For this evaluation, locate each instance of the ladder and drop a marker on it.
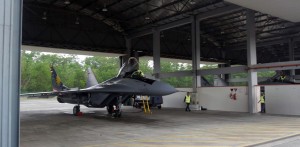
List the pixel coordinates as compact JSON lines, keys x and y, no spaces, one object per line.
{"x":146,"y":104}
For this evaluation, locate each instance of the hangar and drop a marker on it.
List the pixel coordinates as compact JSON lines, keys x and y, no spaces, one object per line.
{"x":241,"y":36}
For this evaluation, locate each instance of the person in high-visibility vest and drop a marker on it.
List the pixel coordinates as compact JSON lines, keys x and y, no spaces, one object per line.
{"x":262,"y":103}
{"x":282,"y":77}
{"x":137,"y":74}
{"x":187,"y":100}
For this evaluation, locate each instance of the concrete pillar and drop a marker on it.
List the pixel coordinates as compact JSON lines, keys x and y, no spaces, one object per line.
{"x":195,"y":34}
{"x":156,"y":53}
{"x":251,"y":60}
{"x":291,"y":55}
{"x":10,"y":48}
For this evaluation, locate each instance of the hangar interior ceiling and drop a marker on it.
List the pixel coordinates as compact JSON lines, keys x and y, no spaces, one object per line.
{"x":102,"y":25}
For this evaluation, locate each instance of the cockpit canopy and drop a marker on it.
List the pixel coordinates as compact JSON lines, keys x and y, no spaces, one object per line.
{"x":128,"y":67}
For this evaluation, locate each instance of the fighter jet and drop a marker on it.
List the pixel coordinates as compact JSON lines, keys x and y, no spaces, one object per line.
{"x":109,"y":93}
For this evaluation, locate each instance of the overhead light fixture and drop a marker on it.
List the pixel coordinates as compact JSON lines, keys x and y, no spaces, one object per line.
{"x":192,"y":2}
{"x":77,"y":21}
{"x":189,"y":38}
{"x":44,"y":16}
{"x":147,"y":17}
{"x":104,"y":8}
{"x":67,"y":2}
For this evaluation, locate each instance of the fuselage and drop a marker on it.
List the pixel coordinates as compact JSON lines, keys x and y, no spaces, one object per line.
{"x":122,"y":88}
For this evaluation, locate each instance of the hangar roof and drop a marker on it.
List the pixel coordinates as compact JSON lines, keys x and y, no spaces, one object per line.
{"x":86,"y":25}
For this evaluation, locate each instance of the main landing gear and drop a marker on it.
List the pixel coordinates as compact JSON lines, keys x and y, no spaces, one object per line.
{"x":76,"y":110}
{"x":114,"y":110}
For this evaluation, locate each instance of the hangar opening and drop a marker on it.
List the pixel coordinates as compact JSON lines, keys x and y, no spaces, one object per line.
{"x":252,"y":49}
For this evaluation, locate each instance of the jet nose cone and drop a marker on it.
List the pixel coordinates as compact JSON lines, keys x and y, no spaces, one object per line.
{"x":163,"y":88}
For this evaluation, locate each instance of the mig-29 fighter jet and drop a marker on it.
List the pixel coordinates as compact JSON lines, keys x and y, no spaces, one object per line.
{"x":109,"y":93}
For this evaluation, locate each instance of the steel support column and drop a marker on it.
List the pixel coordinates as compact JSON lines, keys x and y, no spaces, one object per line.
{"x":156,"y":53}
{"x":291,"y":55}
{"x":251,"y":59}
{"x":10,"y":48}
{"x":222,"y":76}
{"x":195,"y":35}
{"x":227,"y":76}
{"x":124,"y":58}
{"x":197,"y":51}
{"x":128,"y":46}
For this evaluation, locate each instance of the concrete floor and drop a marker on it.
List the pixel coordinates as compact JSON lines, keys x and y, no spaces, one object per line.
{"x":46,"y":123}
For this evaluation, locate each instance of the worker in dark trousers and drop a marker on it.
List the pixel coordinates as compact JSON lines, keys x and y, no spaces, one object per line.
{"x":187,"y":100}
{"x":262,"y":103}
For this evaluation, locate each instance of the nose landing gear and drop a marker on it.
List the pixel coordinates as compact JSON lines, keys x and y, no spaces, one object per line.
{"x":116,"y":112}
{"x":76,"y":111}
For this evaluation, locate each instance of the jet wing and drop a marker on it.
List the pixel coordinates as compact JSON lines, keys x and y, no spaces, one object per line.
{"x":39,"y":94}
{"x":111,"y":88}
{"x":49,"y":93}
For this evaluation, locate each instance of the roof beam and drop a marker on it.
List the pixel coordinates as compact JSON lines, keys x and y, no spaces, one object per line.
{"x":264,"y":43}
{"x":175,"y":24}
{"x":156,"y":9}
{"x":124,"y":10}
{"x":86,"y":6}
{"x":162,"y":27}
{"x":108,"y":6}
{"x":213,"y":13}
{"x":276,"y":66}
{"x":217,"y":12}
{"x":216,"y":71}
{"x":224,"y":70}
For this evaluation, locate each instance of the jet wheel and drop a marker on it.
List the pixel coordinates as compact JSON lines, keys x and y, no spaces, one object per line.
{"x":117,"y":114}
{"x":76,"y":110}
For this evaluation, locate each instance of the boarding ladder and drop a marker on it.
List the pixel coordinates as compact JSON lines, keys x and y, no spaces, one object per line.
{"x":146,"y":107}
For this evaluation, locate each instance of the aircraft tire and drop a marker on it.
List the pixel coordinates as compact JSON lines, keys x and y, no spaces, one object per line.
{"x":76,"y":110}
{"x":119,"y":114}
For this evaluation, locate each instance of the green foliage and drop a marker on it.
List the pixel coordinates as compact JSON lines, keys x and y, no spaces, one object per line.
{"x":145,"y":66}
{"x":104,"y":68}
{"x":36,"y":75}
{"x":179,"y":82}
{"x":209,"y":78}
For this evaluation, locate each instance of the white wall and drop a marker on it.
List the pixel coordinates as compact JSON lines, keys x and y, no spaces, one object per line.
{"x":217,"y":98}
{"x":175,"y":100}
{"x":212,"y":98}
{"x":283,"y":99}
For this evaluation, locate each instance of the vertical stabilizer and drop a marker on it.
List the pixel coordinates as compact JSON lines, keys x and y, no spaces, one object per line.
{"x":91,"y":79}
{"x":57,"y":84}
